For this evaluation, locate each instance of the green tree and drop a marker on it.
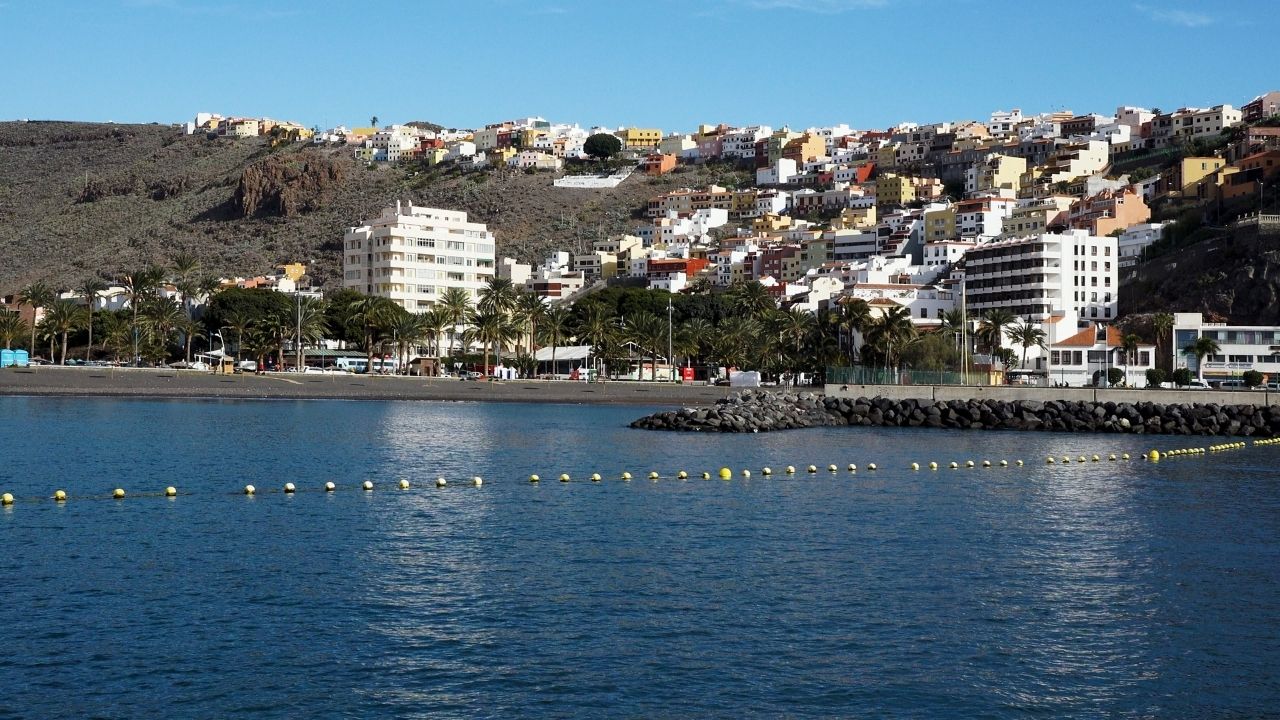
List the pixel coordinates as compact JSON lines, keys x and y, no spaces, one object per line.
{"x":750,"y":298}
{"x":1202,"y":347}
{"x":1252,"y":378}
{"x":1026,"y":335}
{"x":456,"y":306}
{"x":1129,"y":343}
{"x":1115,"y":376}
{"x":1155,"y":377}
{"x":368,"y":317}
{"x":89,"y":288}
{"x":12,"y":327}
{"x":597,"y":328}
{"x":528,"y":311}
{"x":648,"y":333}
{"x":63,"y":317}
{"x":139,"y":285}
{"x":602,"y":146}
{"x":1182,"y":377}
{"x":1162,"y":324}
{"x":990,"y":333}
{"x":36,"y":295}
{"x":555,"y":324}
{"x":433,"y":322}
{"x":889,"y":334}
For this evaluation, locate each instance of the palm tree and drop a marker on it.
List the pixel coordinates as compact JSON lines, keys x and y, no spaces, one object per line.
{"x":990,"y":334}
{"x":407,"y":330}
{"x":528,"y":311}
{"x":185,"y":264}
{"x":115,"y":333}
{"x":89,"y":288}
{"x":455,"y":304}
{"x":12,"y":327}
{"x":1163,"y":326}
{"x":597,"y":328}
{"x":735,"y":339}
{"x":36,"y":295}
{"x":140,"y":284}
{"x":855,"y":315}
{"x":367,"y":316}
{"x":432,"y":323}
{"x":491,"y":330}
{"x":890,"y":334}
{"x":1026,"y":335}
{"x":310,"y":322}
{"x":750,"y":298}
{"x":647,"y":331}
{"x":698,"y":333}
{"x":1200,"y":348}
{"x":555,"y":323}
{"x":162,"y":318}
{"x":240,"y":322}
{"x":794,"y":328}
{"x":1130,"y":344}
{"x":63,"y":317}
{"x":497,"y":296}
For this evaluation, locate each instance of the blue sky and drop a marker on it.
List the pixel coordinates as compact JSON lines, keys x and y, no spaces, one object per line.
{"x":663,"y":63}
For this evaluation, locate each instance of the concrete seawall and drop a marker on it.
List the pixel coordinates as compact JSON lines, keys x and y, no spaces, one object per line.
{"x":947,"y":393}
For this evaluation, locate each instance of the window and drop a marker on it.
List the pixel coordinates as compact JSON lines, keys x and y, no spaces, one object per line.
{"x":1144,"y":357}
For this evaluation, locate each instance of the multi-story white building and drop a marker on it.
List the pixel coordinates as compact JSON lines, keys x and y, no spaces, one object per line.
{"x":740,"y":144}
{"x":1135,"y":239}
{"x":1074,"y":274}
{"x":1240,"y":348}
{"x":412,"y":254}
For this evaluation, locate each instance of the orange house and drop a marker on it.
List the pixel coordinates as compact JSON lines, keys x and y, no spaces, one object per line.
{"x":657,"y":164}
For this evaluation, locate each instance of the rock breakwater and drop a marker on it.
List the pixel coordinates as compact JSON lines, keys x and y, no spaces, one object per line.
{"x":762,"y":411}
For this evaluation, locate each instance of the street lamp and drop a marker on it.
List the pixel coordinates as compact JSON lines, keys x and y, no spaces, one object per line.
{"x":670,"y":359}
{"x":298,"y":336}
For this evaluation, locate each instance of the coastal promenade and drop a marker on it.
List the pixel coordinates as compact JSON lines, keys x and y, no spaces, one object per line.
{"x":947,"y":393}
{"x":119,"y":382}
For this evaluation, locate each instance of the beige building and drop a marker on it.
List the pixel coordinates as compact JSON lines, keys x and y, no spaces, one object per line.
{"x":412,"y":255}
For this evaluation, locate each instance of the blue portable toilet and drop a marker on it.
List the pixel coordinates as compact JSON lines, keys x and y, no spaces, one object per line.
{"x":6,"y":358}
{"x":21,"y":358}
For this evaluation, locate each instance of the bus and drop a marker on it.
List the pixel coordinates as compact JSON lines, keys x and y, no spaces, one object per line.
{"x":381,"y":366}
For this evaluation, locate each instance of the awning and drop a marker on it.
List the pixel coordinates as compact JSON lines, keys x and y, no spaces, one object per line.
{"x":570,"y":352}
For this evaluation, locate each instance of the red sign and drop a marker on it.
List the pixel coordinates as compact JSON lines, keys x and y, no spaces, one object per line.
{"x":686,"y":374}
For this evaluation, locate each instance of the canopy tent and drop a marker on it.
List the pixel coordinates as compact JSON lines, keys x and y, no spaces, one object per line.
{"x":566,"y":359}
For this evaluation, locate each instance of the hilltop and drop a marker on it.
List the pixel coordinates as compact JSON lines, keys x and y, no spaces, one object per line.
{"x":81,"y":198}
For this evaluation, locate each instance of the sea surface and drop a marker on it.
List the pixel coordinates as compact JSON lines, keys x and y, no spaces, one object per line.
{"x":1096,"y":589}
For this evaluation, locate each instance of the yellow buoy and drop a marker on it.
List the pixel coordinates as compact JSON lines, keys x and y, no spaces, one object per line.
{"x":118,"y":493}
{"x":6,"y":499}
{"x":1111,"y":457}
{"x":1124,"y":456}
{"x":441,"y":482}
{"x":1096,"y":458}
{"x":653,"y":475}
{"x":791,"y":470}
{"x":404,"y":484}
{"x":933,"y":466}
{"x":682,"y":475}
{"x":1153,"y":455}
{"x":595,"y":477}
{"x":915,"y":466}
{"x":368,"y":485}
{"x":627,"y":475}
{"x":249,"y":489}
{"x":534,"y":478}
{"x":477,"y":481}
{"x":60,"y":495}
{"x":330,"y":487}
{"x":725,"y":473}
{"x":1080,"y":459}
{"x":1066,"y":459}
{"x":1049,"y":460}
{"x":564,"y":477}
{"x":288,"y":487}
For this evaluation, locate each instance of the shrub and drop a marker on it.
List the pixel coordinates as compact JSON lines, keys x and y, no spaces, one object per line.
{"x":1252,"y":378}
{"x":1115,"y":376}
{"x":1182,"y":377}
{"x":1155,"y":377}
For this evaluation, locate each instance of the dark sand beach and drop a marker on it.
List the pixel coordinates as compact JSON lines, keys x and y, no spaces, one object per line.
{"x":118,"y":382}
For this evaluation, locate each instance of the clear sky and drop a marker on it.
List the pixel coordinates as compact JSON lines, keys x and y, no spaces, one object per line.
{"x":654,"y":63}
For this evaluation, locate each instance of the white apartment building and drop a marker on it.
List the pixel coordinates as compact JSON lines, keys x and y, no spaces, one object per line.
{"x":1135,"y":239}
{"x":412,"y":254}
{"x":741,"y":143}
{"x":1003,"y":124}
{"x":941,"y":254}
{"x":1073,"y":274}
{"x":1241,"y":348}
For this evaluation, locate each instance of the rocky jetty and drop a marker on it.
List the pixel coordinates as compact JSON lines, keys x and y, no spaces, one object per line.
{"x":762,"y":411}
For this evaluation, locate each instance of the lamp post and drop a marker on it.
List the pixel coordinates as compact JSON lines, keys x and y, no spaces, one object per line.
{"x":297,"y":296}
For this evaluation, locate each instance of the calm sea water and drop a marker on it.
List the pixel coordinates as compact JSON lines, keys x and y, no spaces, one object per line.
{"x":1097,"y":590}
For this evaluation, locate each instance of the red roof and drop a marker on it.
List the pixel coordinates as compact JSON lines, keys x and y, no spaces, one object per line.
{"x":1089,"y":338}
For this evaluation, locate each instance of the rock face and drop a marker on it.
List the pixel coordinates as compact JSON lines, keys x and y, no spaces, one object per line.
{"x":287,"y":185}
{"x":762,"y":411}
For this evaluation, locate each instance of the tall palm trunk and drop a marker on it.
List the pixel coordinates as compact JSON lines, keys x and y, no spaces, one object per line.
{"x":63,"y":361}
{"x":88,"y":348}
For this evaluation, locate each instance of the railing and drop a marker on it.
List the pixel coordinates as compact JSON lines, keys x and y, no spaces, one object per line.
{"x":862,"y":375}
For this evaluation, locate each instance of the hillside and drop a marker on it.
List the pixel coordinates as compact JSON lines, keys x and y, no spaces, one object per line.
{"x":82,"y":198}
{"x":1232,"y":275}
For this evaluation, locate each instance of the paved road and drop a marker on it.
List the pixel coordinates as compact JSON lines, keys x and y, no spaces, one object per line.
{"x":174,"y":383}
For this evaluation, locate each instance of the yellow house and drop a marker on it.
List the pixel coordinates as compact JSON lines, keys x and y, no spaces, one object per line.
{"x":1192,"y":177}
{"x":770,"y":222}
{"x":855,"y":219}
{"x":1000,"y":172}
{"x":435,"y":156}
{"x":777,"y":142}
{"x":893,"y":189}
{"x":940,"y":224}
{"x":887,"y":156}
{"x":634,"y":137}
{"x":500,"y":156}
{"x":293,"y":271}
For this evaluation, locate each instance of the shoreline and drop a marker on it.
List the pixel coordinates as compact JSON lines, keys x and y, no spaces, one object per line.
{"x":52,"y":381}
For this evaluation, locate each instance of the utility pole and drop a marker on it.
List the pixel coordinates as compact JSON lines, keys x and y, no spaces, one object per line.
{"x":670,"y":359}
{"x":964,"y":330}
{"x":297,"y":296}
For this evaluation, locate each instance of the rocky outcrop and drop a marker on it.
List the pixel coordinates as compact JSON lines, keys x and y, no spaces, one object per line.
{"x":762,"y":411}
{"x":286,"y":185}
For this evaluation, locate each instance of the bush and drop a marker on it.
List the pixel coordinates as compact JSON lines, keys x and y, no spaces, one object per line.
{"x":1182,"y":377}
{"x":1252,"y":378}
{"x":1155,"y":377}
{"x":1115,"y":376}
